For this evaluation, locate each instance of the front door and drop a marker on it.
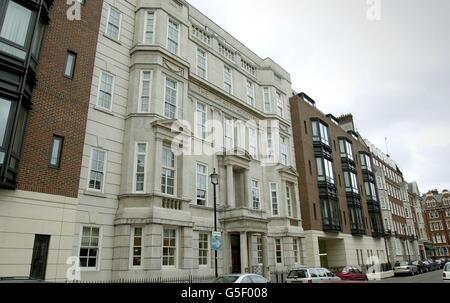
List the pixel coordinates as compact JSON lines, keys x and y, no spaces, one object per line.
{"x":236,"y":253}
{"x":39,"y":258}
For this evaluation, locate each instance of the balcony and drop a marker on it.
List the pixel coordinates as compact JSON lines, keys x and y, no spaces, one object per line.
{"x":358,"y":231}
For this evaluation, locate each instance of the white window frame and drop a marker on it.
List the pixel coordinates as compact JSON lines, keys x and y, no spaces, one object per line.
{"x":289,"y":200}
{"x":259,"y":250}
{"x":136,"y":154}
{"x":284,"y":151}
{"x":280,"y":104}
{"x":174,"y":169}
{"x":253,"y":142}
{"x":256,"y":190}
{"x":141,"y":86}
{"x":271,"y":199}
{"x":171,"y":20}
{"x":276,"y":250}
{"x":208,"y":250}
{"x":132,"y":236}
{"x":167,"y":78}
{"x":120,"y":23}
{"x":250,"y":95}
{"x":176,"y":249}
{"x":99,"y":249}
{"x":201,"y":51}
{"x":229,"y":122}
{"x":112,"y":91}
{"x":296,"y":249}
{"x":197,"y":173}
{"x":225,"y":68}
{"x":267,"y":102}
{"x":105,"y":161}
{"x":203,"y":134}
{"x":144,"y":38}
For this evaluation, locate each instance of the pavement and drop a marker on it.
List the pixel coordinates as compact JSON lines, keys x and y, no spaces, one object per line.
{"x":430,"y":277}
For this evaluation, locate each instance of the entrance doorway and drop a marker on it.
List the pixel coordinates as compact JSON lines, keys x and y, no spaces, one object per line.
{"x":39,"y":258}
{"x":235,"y":240}
{"x":323,"y":253}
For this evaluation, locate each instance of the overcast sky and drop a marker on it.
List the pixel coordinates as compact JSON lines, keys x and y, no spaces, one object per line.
{"x":393,"y":74}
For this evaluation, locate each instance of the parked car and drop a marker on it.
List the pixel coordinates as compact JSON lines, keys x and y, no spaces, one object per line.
{"x":433,"y":265}
{"x":352,"y":273}
{"x":241,"y":278}
{"x":404,"y":267}
{"x":446,"y":272}
{"x":421,"y":267}
{"x":311,"y":275}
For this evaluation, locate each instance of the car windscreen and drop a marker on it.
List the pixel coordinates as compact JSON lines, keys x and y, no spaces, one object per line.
{"x":226,"y":279}
{"x":300,"y":273}
{"x":447,"y":267}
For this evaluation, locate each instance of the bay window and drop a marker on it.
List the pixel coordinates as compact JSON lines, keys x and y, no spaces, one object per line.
{"x":15,"y":31}
{"x":280,"y":105}
{"x":202,"y":177}
{"x":256,"y":195}
{"x":351,"y":183}
{"x":5,"y":112}
{"x":173,"y":32}
{"x":330,"y":214}
{"x":366,"y":161}
{"x":253,"y":142}
{"x":325,"y":171}
{"x":170,"y":99}
{"x":140,"y":167}
{"x":370,"y":190}
{"x":136,"y":247}
{"x":229,"y":134}
{"x":149,"y":27}
{"x":169,"y":247}
{"x":228,"y":79}
{"x":145,"y":86}
{"x":346,"y":149}
{"x":250,"y":93}
{"x":320,"y":132}
{"x":267,"y":100}
{"x":284,"y":150}
{"x":200,"y":117}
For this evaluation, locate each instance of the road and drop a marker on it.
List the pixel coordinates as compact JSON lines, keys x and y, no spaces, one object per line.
{"x":431,"y":277}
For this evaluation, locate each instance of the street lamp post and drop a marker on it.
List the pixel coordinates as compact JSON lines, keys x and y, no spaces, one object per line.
{"x":215,"y":181}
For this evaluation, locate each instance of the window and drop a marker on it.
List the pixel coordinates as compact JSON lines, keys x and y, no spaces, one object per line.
{"x":256,"y":195}
{"x":267,"y":100}
{"x":228,"y":79}
{"x":149,"y":28}
{"x":296,"y":249}
{"x":346,"y":149}
{"x":16,"y":24}
{"x":89,"y":248}
{"x":140,"y":167}
{"x":325,"y":171}
{"x":169,"y":247}
{"x":203,"y":249}
{"x":113,"y":24}
{"x":136,"y":247}
{"x":229,"y":134}
{"x":168,"y":172}
{"x":36,"y":43}
{"x":366,"y":161}
{"x":250,"y":93}
{"x":370,"y":190}
{"x":57,"y":145}
{"x":320,"y":132}
{"x":200,"y":118}
{"x":274,"y":198}
{"x":70,"y":64}
{"x":280,"y":105}
{"x":201,"y":63}
{"x":288,"y":200}
{"x":97,"y":170}
{"x":330,"y":214}
{"x":259,"y":249}
{"x":270,"y":151}
{"x":5,"y":108}
{"x":278,"y":251}
{"x":172,"y":37}
{"x":202,"y":177}
{"x":144,"y":98}
{"x":105,"y":94}
{"x":284,"y":150}
{"x":170,"y":105}
{"x":253,"y":142}
{"x":351,"y":183}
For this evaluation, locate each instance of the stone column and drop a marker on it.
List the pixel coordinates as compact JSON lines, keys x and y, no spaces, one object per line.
{"x":230,"y":187}
{"x":244,"y":252}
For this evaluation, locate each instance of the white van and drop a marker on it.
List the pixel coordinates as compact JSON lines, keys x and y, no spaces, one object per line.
{"x":311,"y":275}
{"x":446,"y":272}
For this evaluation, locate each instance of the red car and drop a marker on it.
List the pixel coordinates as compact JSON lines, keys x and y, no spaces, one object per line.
{"x":352,"y":273}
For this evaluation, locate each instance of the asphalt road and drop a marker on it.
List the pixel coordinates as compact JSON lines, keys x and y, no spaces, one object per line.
{"x":431,"y":277}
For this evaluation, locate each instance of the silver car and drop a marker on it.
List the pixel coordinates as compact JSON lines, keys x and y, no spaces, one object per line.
{"x":311,"y":275}
{"x":405,"y":268}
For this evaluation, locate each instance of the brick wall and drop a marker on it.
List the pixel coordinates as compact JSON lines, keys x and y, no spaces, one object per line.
{"x":60,"y":105}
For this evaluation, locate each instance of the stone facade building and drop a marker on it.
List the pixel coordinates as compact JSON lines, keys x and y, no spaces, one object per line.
{"x":340,"y":205}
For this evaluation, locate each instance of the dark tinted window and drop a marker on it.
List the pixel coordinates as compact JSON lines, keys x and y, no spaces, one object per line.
{"x":297,"y":274}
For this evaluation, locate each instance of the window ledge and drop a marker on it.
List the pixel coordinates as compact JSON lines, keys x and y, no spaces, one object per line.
{"x":112,"y":39}
{"x":94,"y":194}
{"x":103,"y":110}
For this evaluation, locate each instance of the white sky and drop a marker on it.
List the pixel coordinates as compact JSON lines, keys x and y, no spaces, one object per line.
{"x":393,"y":75}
